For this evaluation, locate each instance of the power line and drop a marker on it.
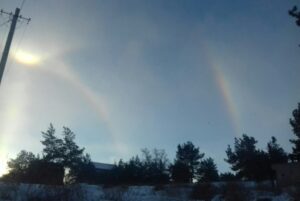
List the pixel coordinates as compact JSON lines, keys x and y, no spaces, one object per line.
{"x":22,"y":4}
{"x":11,"y":61}
{"x":4,"y":23}
{"x":5,"y":53}
{"x":4,"y":34}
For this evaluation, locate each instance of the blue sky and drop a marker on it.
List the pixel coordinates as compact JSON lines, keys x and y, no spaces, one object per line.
{"x":125,"y":75}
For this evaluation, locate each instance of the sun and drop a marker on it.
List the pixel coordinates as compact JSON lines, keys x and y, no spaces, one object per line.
{"x":26,"y":58}
{"x":3,"y":167}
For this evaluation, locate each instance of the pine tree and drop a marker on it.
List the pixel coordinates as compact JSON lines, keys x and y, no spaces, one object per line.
{"x":246,"y":160}
{"x":227,"y":176}
{"x":21,"y":163}
{"x":65,"y":153}
{"x":296,"y":14}
{"x":154,"y":166}
{"x":72,"y":154}
{"x":190,"y":156}
{"x":73,"y":158}
{"x":180,"y":172}
{"x":275,"y":152}
{"x":208,"y":171}
{"x":295,"y":123}
{"x":53,"y":146}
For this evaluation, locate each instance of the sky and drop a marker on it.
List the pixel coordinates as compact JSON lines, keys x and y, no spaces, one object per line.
{"x":125,"y":75}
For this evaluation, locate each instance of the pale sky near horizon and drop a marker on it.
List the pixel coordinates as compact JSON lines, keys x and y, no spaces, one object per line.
{"x":126,"y":75}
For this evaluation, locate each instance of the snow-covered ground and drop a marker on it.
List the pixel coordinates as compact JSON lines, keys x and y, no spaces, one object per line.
{"x":84,"y":192}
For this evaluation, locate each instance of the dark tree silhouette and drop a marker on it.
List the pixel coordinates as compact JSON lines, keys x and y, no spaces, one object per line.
{"x":150,"y":168}
{"x":155,"y":166}
{"x":275,"y":152}
{"x":18,"y":167}
{"x":295,"y":123}
{"x":53,"y":146}
{"x":208,"y":171}
{"x":180,"y":172}
{"x":276,"y":155}
{"x":85,"y":171}
{"x":58,"y":155}
{"x":246,"y":160}
{"x":72,"y":154}
{"x":133,"y":171}
{"x":28,"y":168}
{"x":227,"y":176}
{"x":73,"y":158}
{"x":41,"y":171}
{"x":296,"y":14}
{"x":190,"y":156}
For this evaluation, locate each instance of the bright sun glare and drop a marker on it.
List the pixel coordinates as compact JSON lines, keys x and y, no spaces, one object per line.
{"x":26,"y":58}
{"x":3,"y":168}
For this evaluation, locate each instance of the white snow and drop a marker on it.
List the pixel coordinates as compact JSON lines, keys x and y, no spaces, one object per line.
{"x":84,"y":192}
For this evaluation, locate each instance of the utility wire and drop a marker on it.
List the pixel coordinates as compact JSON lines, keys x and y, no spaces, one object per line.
{"x":3,"y":40}
{"x":10,"y":60}
{"x":4,"y":33}
{"x":16,"y":18}
{"x":21,"y":39}
{"x":4,"y":23}
{"x":20,"y":24}
{"x":22,"y":4}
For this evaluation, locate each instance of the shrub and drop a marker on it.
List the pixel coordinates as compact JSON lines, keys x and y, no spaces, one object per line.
{"x":7,"y":191}
{"x":115,"y":193}
{"x":294,"y":192}
{"x":159,"y":187}
{"x":264,"y":187}
{"x":203,"y":191}
{"x":264,"y":199}
{"x":233,"y":191}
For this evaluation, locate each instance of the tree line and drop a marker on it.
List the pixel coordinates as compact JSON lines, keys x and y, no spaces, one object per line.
{"x":63,"y":161}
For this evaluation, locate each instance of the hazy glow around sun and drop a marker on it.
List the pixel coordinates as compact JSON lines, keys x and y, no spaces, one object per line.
{"x":27,"y":58}
{"x":3,"y":166}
